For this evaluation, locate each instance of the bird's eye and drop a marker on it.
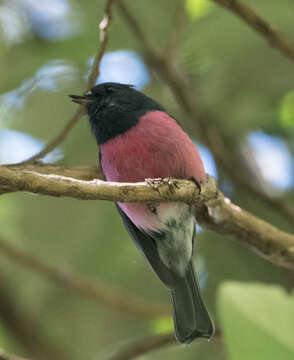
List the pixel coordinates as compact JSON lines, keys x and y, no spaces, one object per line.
{"x":88,"y":93}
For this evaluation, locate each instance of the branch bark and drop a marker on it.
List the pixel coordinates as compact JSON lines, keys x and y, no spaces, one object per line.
{"x":213,"y":210}
{"x":261,"y":26}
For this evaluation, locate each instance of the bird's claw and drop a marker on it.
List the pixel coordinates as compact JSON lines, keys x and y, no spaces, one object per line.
{"x":197,"y":184}
{"x":157,"y":182}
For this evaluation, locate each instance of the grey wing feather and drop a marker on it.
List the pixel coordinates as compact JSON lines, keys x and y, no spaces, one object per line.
{"x":147,"y":246}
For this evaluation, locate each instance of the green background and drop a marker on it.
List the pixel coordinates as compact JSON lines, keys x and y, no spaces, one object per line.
{"x":244,"y":85}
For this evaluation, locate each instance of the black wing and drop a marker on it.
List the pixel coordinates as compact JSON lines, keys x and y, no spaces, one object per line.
{"x":147,"y":245}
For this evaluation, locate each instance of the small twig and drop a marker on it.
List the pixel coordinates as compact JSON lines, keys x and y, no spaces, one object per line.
{"x":214,"y":211}
{"x":103,"y":293}
{"x":260,"y":25}
{"x":144,"y":346}
{"x":103,"y":31}
{"x":103,"y":27}
{"x":177,"y":28}
{"x":58,"y":139}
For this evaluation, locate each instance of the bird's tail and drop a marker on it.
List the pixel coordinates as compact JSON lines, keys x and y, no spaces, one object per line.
{"x":191,"y":317}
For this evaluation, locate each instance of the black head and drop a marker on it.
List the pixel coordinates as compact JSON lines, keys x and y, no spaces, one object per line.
{"x":114,"y":108}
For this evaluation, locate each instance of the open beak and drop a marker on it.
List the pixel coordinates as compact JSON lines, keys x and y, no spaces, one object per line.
{"x":81,"y":99}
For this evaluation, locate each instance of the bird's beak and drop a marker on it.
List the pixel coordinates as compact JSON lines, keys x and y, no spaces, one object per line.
{"x":82,"y":99}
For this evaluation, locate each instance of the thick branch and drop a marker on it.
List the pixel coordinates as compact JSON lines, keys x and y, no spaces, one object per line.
{"x":260,"y":25}
{"x":213,"y":210}
{"x":14,"y":178}
{"x":78,"y":172}
{"x":94,"y":73}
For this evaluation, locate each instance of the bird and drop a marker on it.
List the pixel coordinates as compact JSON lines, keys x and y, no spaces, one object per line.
{"x":139,"y":140}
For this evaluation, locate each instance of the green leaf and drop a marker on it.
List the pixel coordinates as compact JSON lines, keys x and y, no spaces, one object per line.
{"x":162,"y":325}
{"x":287,"y":110}
{"x":198,"y":8}
{"x":257,"y":321}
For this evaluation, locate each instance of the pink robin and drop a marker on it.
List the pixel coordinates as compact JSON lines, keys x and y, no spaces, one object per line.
{"x":139,"y":140}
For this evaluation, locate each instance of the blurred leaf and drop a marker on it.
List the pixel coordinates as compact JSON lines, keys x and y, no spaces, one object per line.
{"x":198,"y":8}
{"x":162,"y":325}
{"x":287,"y":110}
{"x":257,"y":321}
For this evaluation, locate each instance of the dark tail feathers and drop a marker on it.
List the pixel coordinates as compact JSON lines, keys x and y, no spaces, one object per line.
{"x":190,"y":314}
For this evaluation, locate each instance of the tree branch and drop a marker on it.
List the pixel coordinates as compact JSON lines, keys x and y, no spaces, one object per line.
{"x":148,"y":344}
{"x":59,"y":138}
{"x":103,"y":31}
{"x":257,"y":23}
{"x":179,"y":19}
{"x":103,"y":28}
{"x":105,"y":294}
{"x":213,"y":210}
{"x":144,"y":346}
{"x":14,"y":178}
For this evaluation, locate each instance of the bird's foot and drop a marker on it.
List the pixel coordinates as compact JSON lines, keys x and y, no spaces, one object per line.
{"x":197,"y":184}
{"x":156,"y":183}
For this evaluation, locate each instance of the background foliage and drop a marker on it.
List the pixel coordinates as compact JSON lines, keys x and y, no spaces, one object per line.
{"x":244,"y":86}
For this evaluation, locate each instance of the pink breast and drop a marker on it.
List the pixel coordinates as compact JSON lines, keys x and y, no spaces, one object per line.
{"x":156,"y":147}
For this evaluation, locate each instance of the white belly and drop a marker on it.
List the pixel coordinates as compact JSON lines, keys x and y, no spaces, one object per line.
{"x":176,"y":243}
